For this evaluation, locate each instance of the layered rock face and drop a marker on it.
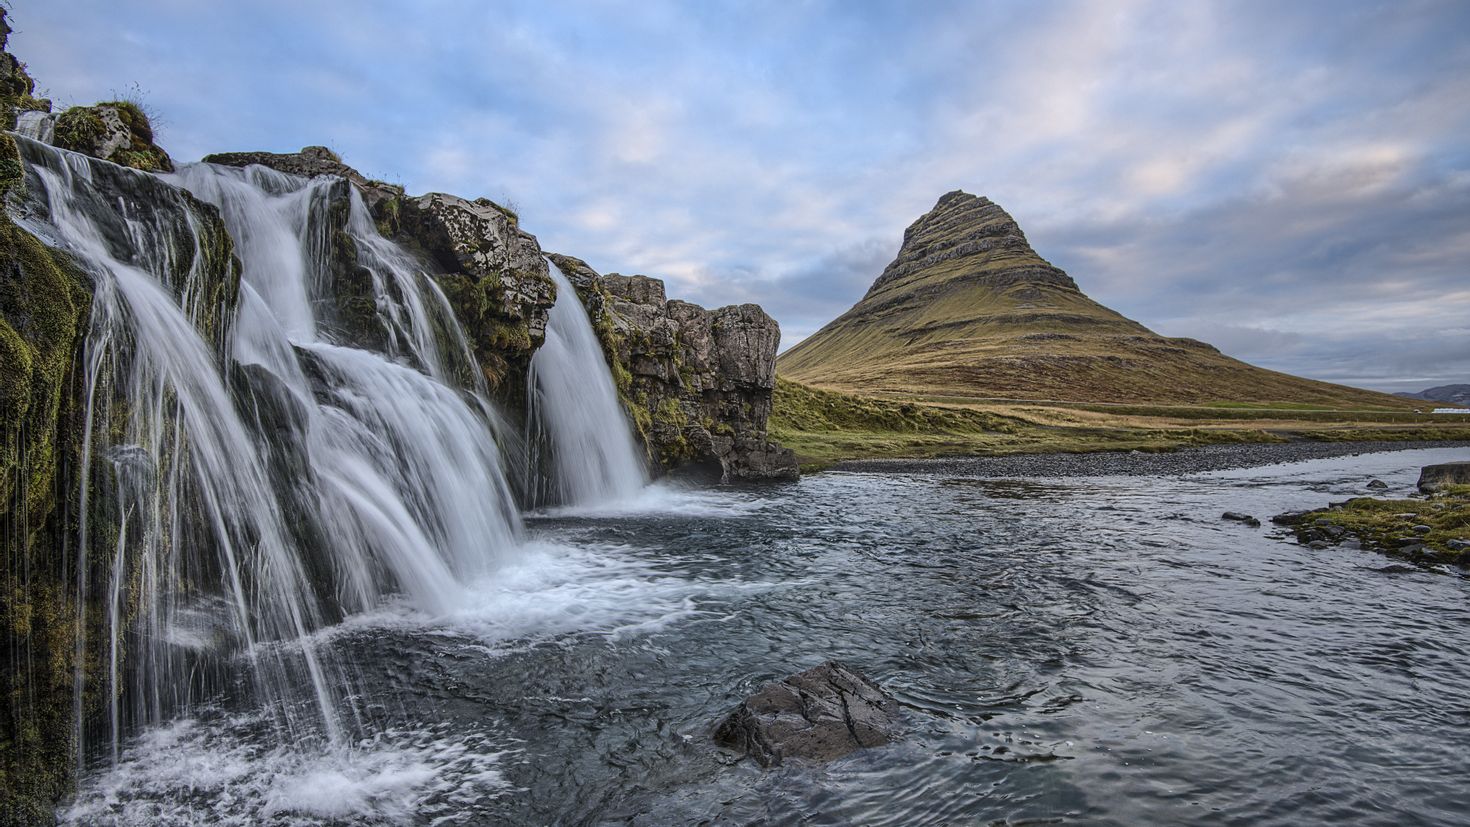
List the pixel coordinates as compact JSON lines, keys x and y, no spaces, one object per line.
{"x":698,"y":382}
{"x":968,"y":309}
{"x":974,"y":239}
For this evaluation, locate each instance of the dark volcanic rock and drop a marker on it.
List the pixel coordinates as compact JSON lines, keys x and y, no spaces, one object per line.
{"x":823,"y":713}
{"x":1377,"y":484}
{"x":1435,"y":477}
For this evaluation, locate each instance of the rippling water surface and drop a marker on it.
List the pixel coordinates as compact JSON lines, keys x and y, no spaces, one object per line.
{"x":1098,"y":650}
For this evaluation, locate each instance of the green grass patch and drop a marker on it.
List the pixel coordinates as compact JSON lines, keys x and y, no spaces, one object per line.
{"x":1384,"y":525}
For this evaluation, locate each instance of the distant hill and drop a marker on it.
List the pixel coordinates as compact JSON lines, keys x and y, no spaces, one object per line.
{"x":968,"y":309}
{"x":1453,"y":394}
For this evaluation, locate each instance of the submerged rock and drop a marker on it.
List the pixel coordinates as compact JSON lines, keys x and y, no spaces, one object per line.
{"x":1377,"y":484}
{"x":823,"y":713}
{"x":1238,"y":517}
{"x":1437,"y":477}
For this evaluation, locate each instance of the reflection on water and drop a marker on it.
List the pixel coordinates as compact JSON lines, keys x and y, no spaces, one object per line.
{"x":1088,"y":650}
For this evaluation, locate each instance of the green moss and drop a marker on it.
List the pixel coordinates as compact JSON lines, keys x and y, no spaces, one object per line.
{"x":12,"y":174}
{"x":1386,"y":525}
{"x":500,"y":208}
{"x":82,"y":129}
{"x":388,"y":215}
{"x":78,"y":129}
{"x":43,"y":307}
{"x":502,"y":345}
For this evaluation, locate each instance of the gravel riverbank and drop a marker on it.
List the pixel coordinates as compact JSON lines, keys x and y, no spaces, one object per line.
{"x":1135,"y":463}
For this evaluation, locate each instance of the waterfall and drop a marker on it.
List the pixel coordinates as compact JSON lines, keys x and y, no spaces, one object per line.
{"x":38,"y":126}
{"x":257,"y":469}
{"x":574,"y":404}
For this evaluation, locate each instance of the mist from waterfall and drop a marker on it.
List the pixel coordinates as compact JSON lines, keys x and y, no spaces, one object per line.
{"x":249,"y":489}
{"x":575,"y":413}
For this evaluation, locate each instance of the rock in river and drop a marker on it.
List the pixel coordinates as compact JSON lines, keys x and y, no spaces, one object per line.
{"x":1435,"y":477}
{"x":820,"y":714}
{"x":1241,"y":518}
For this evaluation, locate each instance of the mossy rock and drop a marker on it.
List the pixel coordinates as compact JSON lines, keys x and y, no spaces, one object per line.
{"x":44,"y":303}
{"x":12,"y":173}
{"x":116,"y":131}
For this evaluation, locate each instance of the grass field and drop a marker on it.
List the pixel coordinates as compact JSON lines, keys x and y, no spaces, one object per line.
{"x":824,"y":427}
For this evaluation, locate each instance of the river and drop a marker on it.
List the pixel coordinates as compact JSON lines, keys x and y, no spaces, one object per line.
{"x":1092,"y":650}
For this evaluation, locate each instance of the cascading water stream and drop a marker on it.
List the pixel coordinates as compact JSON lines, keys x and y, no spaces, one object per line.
{"x":38,"y":126}
{"x":252,"y":479}
{"x":574,"y":404}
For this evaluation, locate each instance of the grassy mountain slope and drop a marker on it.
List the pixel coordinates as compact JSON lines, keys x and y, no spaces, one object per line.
{"x":968,"y":309}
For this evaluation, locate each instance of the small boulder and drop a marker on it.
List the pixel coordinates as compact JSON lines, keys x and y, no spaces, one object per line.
{"x":1434,"y":478}
{"x":1377,"y":484}
{"x":1457,"y":545}
{"x":1421,"y":529}
{"x":823,"y":713}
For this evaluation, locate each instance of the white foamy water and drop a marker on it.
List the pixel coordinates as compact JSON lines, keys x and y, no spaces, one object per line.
{"x":667,"y":498}
{"x":593,"y":457}
{"x":219,"y":771}
{"x":551,"y":591}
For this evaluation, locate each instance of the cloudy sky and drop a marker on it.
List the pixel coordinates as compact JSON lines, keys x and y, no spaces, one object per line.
{"x":1288,"y":181}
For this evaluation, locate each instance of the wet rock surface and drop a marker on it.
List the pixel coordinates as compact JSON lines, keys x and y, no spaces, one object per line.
{"x":697,"y":383}
{"x":823,"y":713}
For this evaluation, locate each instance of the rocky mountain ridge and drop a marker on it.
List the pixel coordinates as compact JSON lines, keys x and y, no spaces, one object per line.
{"x":1453,"y":394}
{"x":968,"y":309}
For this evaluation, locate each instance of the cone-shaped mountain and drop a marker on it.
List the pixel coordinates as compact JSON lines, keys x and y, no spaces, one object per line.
{"x":969,"y":309}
